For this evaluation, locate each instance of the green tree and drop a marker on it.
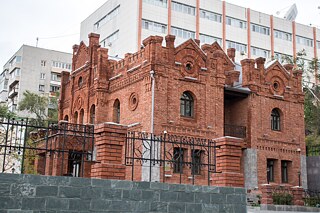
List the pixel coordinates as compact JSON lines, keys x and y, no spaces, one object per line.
{"x":312,"y":94}
{"x":36,"y":105}
{"x":5,"y":112}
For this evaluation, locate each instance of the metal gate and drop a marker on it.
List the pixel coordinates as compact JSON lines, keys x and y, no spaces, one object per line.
{"x":170,"y":158}
{"x":54,"y":149}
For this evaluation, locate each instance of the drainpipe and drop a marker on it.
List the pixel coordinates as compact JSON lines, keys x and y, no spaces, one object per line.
{"x":152,"y":101}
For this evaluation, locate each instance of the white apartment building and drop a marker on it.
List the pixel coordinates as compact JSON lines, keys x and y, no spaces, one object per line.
{"x":123,"y":24}
{"x":35,"y":69}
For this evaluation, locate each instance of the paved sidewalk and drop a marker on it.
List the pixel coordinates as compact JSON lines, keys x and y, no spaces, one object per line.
{"x":257,"y":210}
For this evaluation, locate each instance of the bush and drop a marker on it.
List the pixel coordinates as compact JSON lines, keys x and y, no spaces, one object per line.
{"x":282,"y":198}
{"x":312,"y":201}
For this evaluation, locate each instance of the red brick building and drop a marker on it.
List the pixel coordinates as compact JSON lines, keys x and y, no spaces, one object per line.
{"x":196,"y":91}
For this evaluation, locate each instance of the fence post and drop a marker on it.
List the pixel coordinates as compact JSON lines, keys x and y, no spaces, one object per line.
{"x":109,"y":143}
{"x":297,"y":196}
{"x":266,"y":190}
{"x":228,"y":158}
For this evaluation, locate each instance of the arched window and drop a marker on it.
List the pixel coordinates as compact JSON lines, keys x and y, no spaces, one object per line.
{"x":92,"y":113}
{"x":186,"y":104}
{"x":116,"y":111}
{"x":75,"y":118}
{"x":80,"y":82}
{"x":81,"y":116}
{"x":66,"y":118}
{"x":275,"y":120}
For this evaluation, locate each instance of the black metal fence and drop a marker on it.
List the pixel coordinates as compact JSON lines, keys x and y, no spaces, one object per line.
{"x":313,"y":150}
{"x":170,"y":158}
{"x":54,"y":149}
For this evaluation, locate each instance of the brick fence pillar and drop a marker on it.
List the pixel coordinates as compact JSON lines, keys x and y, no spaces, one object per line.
{"x":297,"y":193}
{"x":109,"y":144}
{"x":228,"y":162}
{"x":266,"y":190}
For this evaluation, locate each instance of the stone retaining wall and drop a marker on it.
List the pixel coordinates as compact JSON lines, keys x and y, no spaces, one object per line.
{"x":30,"y":194}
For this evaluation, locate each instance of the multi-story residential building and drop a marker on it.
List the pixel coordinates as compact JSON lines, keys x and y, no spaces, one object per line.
{"x":35,"y":69}
{"x":124,"y":24}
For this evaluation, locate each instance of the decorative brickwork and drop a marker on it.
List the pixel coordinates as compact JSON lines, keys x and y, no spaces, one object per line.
{"x":225,"y":101}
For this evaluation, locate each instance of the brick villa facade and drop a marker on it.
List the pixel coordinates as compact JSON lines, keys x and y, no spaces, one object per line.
{"x":193,"y":91}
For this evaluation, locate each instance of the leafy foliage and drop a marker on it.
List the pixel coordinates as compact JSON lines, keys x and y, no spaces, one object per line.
{"x":38,"y":105}
{"x":282,"y":198}
{"x":5,"y":112}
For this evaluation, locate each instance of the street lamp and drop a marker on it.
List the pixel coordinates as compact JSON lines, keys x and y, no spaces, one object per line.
{"x":299,"y":177}
{"x":268,"y":175}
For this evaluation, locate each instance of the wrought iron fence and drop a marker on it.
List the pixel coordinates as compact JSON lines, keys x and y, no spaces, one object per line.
{"x":54,"y":149}
{"x":313,"y":150}
{"x":170,"y":158}
{"x":235,"y":131}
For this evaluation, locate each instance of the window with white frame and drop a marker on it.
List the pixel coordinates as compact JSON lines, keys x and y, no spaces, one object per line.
{"x":206,"y":39}
{"x":182,"y":33}
{"x":210,"y":15}
{"x":260,"y":52}
{"x":15,"y":59}
{"x":260,"y":29}
{"x":283,"y":35}
{"x":43,"y":63}
{"x":55,"y":77}
{"x":154,"y":26}
{"x":15,"y":72}
{"x":318,"y":44}
{"x":54,"y":88}
{"x":107,"y":17}
{"x":242,"y":48}
{"x":42,"y":75}
{"x":62,"y":65}
{"x":236,"y":22}
{"x":107,"y":42}
{"x":160,"y":3}
{"x":304,"y":41}
{"x":183,"y":8}
{"x":41,"y":88}
{"x":282,"y":58}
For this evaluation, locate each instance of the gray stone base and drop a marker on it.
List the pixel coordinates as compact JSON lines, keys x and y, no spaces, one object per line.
{"x":34,"y":194}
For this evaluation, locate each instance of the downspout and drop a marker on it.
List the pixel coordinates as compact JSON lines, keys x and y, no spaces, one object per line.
{"x":152,"y":101}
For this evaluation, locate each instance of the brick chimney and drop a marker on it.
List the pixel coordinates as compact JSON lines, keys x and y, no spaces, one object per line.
{"x":231,"y":53}
{"x":170,"y":41}
{"x":93,"y":39}
{"x":247,"y":69}
{"x":260,"y":63}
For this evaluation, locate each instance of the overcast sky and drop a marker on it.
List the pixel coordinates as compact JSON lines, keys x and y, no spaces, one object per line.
{"x":57,"y":22}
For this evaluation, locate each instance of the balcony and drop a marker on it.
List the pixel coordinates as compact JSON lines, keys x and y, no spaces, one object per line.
{"x":13,"y":92}
{"x":14,"y":80}
{"x":235,"y":131}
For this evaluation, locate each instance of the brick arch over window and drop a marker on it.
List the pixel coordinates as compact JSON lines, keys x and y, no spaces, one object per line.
{"x":81,"y":116}
{"x":92,"y":113}
{"x":276,"y":117}
{"x":116,"y":111}
{"x":187,"y":104}
{"x":75,"y":117}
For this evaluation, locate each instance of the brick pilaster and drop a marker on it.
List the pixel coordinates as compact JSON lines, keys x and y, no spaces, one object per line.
{"x":109,"y":142}
{"x":297,"y":193}
{"x":228,"y":162}
{"x":266,"y":190}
